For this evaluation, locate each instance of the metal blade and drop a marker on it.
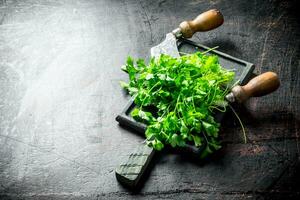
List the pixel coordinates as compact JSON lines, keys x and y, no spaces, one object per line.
{"x":168,"y":46}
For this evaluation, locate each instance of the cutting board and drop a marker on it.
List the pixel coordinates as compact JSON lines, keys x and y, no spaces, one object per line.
{"x":131,"y":171}
{"x":243,"y":71}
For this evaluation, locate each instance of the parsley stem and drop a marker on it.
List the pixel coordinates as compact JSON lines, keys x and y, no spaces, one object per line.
{"x":205,"y":138}
{"x":153,"y":87}
{"x":148,"y":92}
{"x":214,"y":107}
{"x":193,"y":103}
{"x":240,"y":121}
{"x":211,"y":49}
{"x":177,"y":102}
{"x":167,"y":110}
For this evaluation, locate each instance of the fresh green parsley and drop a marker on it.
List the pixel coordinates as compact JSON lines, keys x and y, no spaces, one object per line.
{"x":177,"y":99}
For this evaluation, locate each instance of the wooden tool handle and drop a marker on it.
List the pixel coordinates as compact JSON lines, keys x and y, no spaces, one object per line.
{"x":261,"y":85}
{"x":204,"y":22}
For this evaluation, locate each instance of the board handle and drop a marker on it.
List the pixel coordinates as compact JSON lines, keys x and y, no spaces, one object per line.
{"x":131,"y":172}
{"x":204,"y":22}
{"x":261,"y":85}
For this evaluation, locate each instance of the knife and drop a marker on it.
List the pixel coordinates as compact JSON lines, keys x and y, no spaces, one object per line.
{"x":204,"y":22}
{"x":131,"y":172}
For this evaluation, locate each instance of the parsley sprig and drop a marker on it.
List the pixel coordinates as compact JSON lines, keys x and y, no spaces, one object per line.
{"x":183,"y":95}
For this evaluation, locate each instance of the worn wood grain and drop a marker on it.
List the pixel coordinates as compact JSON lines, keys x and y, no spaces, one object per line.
{"x":59,"y":94}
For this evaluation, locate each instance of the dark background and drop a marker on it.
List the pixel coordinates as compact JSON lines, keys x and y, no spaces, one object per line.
{"x":59,"y":94}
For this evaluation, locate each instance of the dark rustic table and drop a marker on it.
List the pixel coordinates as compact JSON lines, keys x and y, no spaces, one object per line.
{"x":59,"y":94}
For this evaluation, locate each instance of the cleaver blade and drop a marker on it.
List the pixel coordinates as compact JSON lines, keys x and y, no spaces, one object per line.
{"x":168,"y":47}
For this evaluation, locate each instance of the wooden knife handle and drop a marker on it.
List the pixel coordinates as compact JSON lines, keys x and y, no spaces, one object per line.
{"x":261,"y":85}
{"x":204,"y":22}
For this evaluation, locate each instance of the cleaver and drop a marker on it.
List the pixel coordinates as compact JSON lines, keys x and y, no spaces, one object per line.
{"x":131,"y":171}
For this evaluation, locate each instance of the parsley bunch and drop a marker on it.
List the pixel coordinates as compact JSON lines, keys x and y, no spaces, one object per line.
{"x":177,"y":98}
